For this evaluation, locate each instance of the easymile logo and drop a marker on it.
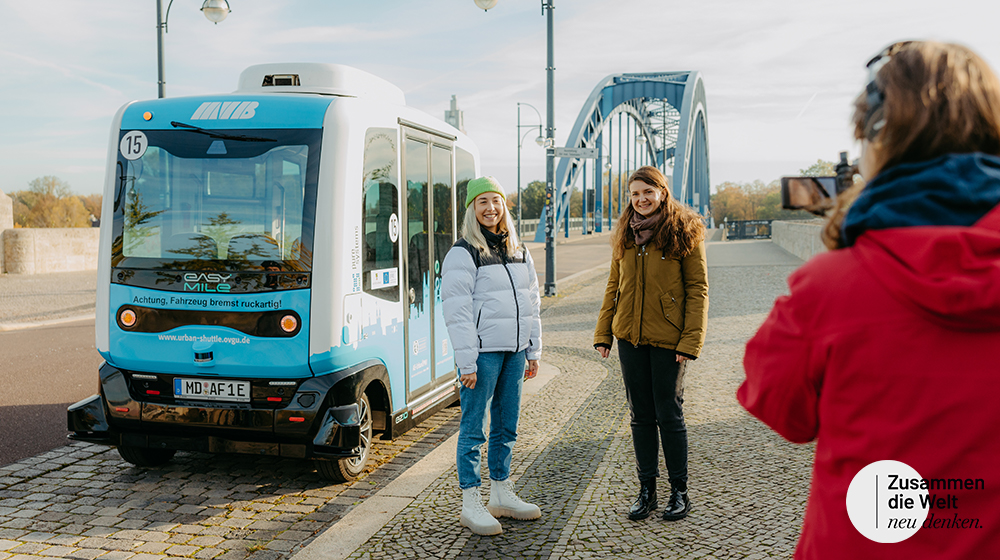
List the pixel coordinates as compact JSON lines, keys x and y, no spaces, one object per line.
{"x":206,"y":282}
{"x":206,"y":277}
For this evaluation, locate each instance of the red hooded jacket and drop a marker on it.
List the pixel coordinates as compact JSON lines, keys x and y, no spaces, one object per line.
{"x":890,"y":349}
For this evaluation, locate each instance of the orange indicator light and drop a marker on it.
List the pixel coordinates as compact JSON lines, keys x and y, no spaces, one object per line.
{"x":121,"y":409}
{"x":289,"y":323}
{"x":296,"y":419}
{"x":128,"y":318}
{"x":147,"y":116}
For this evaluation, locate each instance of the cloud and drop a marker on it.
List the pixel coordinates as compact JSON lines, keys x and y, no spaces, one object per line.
{"x":780,"y":75}
{"x":330,"y":34}
{"x":32,"y":66}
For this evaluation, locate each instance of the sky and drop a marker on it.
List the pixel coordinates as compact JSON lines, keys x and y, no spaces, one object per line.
{"x":780,"y":75}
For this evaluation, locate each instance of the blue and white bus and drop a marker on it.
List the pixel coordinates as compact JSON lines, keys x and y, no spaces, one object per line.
{"x":269,"y":276}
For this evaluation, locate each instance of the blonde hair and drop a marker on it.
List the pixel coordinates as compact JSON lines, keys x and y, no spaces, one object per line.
{"x":475,"y":237}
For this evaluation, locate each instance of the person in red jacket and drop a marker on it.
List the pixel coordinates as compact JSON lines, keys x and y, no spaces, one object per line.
{"x":886,"y":347}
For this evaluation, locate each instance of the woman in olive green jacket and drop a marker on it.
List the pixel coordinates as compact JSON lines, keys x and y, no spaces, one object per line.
{"x":656,"y":305}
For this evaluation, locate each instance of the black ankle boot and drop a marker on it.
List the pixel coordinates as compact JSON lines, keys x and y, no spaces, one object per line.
{"x":678,"y":505}
{"x":646,"y":502}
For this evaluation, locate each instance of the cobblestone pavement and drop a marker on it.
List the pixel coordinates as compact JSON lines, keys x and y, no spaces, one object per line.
{"x":574,"y":453}
{"x":82,"y":501}
{"x":573,"y":458}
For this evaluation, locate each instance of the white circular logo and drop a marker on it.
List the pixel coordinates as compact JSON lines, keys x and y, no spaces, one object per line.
{"x":133,"y":145}
{"x":393,"y":227}
{"x":886,"y":501}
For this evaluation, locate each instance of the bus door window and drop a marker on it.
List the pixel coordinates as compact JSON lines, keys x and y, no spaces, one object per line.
{"x":418,"y":262}
{"x":465,"y":171}
{"x":444,"y":236}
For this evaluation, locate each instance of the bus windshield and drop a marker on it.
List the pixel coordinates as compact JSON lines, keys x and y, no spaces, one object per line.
{"x":191,"y":199}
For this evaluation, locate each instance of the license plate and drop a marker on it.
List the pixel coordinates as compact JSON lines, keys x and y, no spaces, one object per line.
{"x":210,"y":389}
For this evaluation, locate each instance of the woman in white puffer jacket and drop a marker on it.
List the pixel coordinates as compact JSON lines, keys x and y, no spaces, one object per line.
{"x":491,"y":306}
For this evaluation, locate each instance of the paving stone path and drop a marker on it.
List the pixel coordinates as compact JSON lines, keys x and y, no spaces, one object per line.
{"x":573,"y":458}
{"x":574,"y":454}
{"x":82,"y":501}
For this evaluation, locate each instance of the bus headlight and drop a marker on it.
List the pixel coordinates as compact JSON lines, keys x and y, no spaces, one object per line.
{"x":289,"y":323}
{"x":127,"y":318}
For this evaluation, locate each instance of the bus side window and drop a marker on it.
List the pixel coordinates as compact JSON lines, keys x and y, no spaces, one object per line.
{"x":380,"y":217}
{"x":465,"y":171}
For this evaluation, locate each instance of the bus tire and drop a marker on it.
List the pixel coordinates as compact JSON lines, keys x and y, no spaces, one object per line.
{"x":346,"y":470}
{"x":145,"y":457}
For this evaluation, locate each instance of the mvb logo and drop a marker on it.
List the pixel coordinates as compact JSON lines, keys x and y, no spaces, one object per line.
{"x":215,"y":110}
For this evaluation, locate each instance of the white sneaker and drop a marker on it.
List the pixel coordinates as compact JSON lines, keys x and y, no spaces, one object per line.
{"x":505,"y":503}
{"x":475,"y":516}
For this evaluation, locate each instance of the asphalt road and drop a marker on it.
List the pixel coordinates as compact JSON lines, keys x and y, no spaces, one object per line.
{"x":575,"y":255}
{"x":45,"y":370}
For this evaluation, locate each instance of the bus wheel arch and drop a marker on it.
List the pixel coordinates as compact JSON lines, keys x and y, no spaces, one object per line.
{"x":350,"y":468}
{"x":381,"y":407}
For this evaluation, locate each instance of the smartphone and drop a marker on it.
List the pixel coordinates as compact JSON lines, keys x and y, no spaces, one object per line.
{"x":815,"y":194}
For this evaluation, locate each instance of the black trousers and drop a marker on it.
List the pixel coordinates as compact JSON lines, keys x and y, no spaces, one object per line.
{"x":654,"y":386}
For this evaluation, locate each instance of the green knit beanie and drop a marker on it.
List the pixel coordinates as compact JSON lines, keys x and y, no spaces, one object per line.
{"x":483,"y":185}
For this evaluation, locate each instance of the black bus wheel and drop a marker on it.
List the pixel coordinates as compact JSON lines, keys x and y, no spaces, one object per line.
{"x":145,"y":457}
{"x":346,"y":470}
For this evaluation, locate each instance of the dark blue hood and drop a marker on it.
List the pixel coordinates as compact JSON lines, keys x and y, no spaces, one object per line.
{"x":952,"y":190}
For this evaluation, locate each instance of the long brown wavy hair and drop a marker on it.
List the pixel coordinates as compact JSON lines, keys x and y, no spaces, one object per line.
{"x":940,"y":98}
{"x":680,"y":229}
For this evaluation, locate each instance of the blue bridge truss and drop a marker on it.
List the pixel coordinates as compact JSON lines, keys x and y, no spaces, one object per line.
{"x":633,"y":120}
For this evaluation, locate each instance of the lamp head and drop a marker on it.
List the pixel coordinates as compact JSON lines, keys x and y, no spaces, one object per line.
{"x":215,"y":10}
{"x":540,"y":140}
{"x":486,"y":4}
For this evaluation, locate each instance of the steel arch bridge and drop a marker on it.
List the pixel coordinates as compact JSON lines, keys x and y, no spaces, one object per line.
{"x":658,"y":119}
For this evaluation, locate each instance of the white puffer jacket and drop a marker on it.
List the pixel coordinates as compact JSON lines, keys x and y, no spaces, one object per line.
{"x":490,"y":305}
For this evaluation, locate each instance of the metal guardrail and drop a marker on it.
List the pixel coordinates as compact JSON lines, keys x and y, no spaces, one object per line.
{"x":748,"y":229}
{"x":528,"y":227}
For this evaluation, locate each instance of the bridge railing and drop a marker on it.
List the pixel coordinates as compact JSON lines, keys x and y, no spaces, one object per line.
{"x":748,"y":229}
{"x":529,"y":227}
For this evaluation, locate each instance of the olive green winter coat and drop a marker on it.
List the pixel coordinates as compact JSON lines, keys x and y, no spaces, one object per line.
{"x":653,"y":298}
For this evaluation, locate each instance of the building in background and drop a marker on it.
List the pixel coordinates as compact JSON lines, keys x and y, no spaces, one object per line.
{"x":454,"y":116}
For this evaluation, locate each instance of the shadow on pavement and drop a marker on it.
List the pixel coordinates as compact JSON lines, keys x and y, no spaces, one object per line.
{"x":46,"y":421}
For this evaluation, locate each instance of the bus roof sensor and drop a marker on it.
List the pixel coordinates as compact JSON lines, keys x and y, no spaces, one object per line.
{"x":318,"y":78}
{"x":281,"y":80}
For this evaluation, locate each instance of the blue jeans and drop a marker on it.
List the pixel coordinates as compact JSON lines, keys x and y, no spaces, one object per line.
{"x":499,"y":377}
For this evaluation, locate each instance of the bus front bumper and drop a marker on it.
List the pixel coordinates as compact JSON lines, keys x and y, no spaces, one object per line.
{"x":305,"y":428}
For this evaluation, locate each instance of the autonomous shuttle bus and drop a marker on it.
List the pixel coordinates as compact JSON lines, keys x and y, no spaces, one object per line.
{"x":270,"y":270}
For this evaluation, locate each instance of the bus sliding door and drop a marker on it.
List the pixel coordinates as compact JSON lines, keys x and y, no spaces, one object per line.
{"x":429,"y":231}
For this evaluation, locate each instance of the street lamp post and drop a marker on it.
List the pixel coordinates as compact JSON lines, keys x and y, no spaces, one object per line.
{"x":550,"y":148}
{"x":640,"y":151}
{"x":214,"y":10}
{"x":550,"y":157}
{"x":540,"y":140}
